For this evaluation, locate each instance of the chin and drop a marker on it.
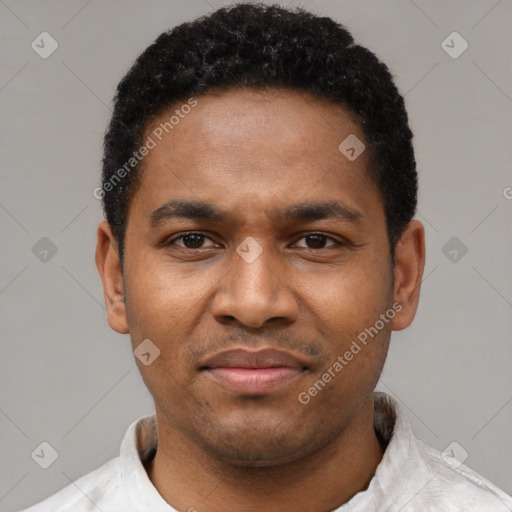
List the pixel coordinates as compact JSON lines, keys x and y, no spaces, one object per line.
{"x":259,"y":446}
{"x":255,"y":456}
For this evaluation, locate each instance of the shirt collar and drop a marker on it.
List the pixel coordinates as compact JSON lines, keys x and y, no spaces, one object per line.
{"x":401,"y":474}
{"x":139,"y":442}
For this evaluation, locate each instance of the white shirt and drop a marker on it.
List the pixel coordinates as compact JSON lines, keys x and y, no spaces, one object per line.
{"x":411,"y":477}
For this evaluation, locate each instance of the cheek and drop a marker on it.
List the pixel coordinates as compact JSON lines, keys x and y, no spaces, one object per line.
{"x":347,"y":311}
{"x":162,"y":307}
{"x":356,"y":345}
{"x":160,"y":297}
{"x":349,"y":298}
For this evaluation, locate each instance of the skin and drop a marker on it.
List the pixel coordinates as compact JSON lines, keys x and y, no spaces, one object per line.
{"x":253,"y":153}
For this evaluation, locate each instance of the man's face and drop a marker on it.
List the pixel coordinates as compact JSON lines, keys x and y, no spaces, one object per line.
{"x":321,"y":277}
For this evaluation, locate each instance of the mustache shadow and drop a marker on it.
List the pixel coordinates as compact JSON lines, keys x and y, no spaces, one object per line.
{"x":199,"y":350}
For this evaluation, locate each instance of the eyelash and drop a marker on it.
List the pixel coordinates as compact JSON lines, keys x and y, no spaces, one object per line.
{"x":337,"y":243}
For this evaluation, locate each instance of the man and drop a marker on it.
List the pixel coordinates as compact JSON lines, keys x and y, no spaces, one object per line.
{"x":259,"y":246}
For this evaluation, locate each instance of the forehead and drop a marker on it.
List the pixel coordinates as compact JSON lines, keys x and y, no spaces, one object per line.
{"x":257,"y":148}
{"x":292,"y":122}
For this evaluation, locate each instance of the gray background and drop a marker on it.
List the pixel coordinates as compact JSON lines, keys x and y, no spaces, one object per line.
{"x":67,"y":379}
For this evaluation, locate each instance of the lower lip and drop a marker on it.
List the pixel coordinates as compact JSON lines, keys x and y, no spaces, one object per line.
{"x":254,"y":381}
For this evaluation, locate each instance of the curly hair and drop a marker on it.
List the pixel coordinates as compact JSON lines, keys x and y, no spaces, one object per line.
{"x":261,"y":46}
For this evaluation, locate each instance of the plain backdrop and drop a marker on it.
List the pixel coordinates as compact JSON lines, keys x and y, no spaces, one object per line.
{"x":67,"y":379}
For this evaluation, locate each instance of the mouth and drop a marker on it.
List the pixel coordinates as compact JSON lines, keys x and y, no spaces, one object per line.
{"x":254,"y":373}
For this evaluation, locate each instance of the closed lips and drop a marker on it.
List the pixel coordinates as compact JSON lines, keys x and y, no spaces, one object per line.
{"x":242,"y":358}
{"x":262,"y":372}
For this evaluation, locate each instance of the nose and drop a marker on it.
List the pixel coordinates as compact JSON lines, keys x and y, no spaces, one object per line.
{"x":255,"y":293}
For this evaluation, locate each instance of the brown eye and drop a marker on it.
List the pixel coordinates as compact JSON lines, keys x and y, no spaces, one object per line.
{"x":317,"y":241}
{"x":191,"y":241}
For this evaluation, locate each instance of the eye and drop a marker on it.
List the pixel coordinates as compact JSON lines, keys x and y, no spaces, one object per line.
{"x":317,"y":241}
{"x":196,"y":240}
{"x":191,"y":241}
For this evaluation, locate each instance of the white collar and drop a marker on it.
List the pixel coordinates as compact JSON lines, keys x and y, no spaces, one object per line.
{"x":400,"y":466}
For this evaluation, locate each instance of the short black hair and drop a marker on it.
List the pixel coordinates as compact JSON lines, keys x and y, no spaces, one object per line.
{"x":261,"y":46}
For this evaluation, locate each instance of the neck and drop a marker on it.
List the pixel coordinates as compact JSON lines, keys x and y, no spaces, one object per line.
{"x":189,"y":479}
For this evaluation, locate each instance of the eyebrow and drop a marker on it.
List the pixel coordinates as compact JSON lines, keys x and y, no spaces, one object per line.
{"x":304,"y":211}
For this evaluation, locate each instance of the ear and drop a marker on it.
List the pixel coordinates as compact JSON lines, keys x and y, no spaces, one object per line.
{"x":109,"y":268}
{"x":408,"y":273}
